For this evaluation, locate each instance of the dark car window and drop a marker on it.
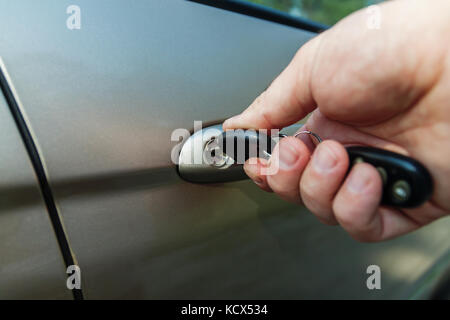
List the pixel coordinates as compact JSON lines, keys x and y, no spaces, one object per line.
{"x":324,"y":11}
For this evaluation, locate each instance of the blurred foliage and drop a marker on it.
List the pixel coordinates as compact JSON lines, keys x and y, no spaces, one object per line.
{"x":324,"y":11}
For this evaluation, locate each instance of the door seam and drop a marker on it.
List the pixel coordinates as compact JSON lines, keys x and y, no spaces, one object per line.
{"x":39,"y":170}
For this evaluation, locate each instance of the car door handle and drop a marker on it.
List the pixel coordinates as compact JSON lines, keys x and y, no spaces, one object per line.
{"x":406,"y":182}
{"x":194,"y":167}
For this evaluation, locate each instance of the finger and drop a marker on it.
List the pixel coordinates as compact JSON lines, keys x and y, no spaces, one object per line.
{"x":426,"y":213}
{"x":290,"y":157}
{"x":287,"y":100}
{"x":358,"y":87}
{"x":356,"y":208}
{"x":322,"y":179}
{"x":346,"y":134}
{"x":253,"y":167}
{"x":364,"y":86}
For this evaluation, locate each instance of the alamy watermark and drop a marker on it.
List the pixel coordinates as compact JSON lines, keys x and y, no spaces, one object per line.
{"x":74,"y":278}
{"x":374,"y":280}
{"x":73,"y":22}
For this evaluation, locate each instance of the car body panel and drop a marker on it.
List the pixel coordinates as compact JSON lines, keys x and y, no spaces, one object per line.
{"x":30,"y":261}
{"x":103,"y":102}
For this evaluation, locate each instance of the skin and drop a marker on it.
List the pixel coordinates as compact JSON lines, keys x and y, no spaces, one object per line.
{"x":387,"y":88}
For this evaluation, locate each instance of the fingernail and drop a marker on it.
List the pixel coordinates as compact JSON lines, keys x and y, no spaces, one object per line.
{"x":288,"y":156}
{"x":324,"y":158}
{"x":358,"y":180}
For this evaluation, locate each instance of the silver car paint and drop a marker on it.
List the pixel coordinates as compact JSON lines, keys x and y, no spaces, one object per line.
{"x":31,"y":265}
{"x":103,"y":101}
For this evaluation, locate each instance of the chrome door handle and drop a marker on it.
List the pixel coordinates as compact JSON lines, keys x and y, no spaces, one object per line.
{"x":194,"y":166}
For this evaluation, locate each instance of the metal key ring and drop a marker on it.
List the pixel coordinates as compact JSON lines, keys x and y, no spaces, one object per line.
{"x":319,"y":139}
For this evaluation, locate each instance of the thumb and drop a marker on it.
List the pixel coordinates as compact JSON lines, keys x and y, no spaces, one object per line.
{"x":287,"y":100}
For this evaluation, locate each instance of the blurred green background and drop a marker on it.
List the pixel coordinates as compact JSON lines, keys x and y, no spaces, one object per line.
{"x":324,"y":11}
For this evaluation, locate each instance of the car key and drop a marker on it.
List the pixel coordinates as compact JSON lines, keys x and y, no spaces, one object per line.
{"x":406,"y":182}
{"x":241,"y":145}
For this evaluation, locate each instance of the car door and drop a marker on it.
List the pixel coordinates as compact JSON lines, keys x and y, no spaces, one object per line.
{"x":31,"y":264}
{"x":103,"y":100}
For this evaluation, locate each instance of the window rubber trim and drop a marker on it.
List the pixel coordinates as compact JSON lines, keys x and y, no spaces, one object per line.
{"x":265,"y":13}
{"x":40,"y":172}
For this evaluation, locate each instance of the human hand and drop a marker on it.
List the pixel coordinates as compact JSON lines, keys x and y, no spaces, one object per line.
{"x":386,"y":88}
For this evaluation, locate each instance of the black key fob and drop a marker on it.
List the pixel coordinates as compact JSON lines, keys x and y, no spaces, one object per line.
{"x":406,"y":182}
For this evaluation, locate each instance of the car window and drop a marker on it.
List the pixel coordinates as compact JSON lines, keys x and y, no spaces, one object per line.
{"x":323,"y":11}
